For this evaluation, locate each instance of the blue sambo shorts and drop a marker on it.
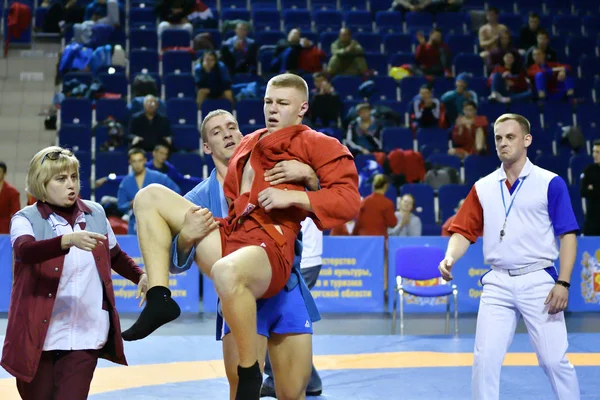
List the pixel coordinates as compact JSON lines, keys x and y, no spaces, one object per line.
{"x":285,"y":313}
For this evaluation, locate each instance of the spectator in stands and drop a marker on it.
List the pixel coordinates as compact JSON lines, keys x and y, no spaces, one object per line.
{"x":376,"y":213}
{"x":325,"y":103}
{"x":433,"y":57}
{"x":505,"y":45}
{"x":552,"y":81}
{"x":297,"y":54}
{"x":454,"y":99}
{"x":408,"y":223}
{"x":347,"y":56}
{"x":139,"y":178}
{"x":528,"y":35}
{"x":364,"y":133}
{"x":159,"y":163}
{"x":489,"y":34}
{"x":590,"y":191}
{"x":212,"y":79}
{"x":173,"y":15}
{"x":202,"y":17}
{"x":411,"y":5}
{"x":10,"y":201}
{"x":508,"y":81}
{"x":543,"y":43}
{"x":239,"y":52}
{"x":449,"y":221}
{"x":61,"y":13}
{"x":426,"y":111}
{"x":469,"y":132}
{"x":148,"y":127}
{"x":99,"y":12}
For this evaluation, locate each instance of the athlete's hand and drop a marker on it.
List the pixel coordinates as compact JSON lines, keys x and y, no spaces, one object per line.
{"x":445,"y":268}
{"x":142,"y":289}
{"x":197,"y":224}
{"x":272,"y":198}
{"x":558,"y":298}
{"x":290,"y":171}
{"x":83,"y":240}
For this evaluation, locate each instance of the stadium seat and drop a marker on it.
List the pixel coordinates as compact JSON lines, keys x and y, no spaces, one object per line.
{"x":111,"y":162}
{"x":249,"y":112}
{"x":369,"y":41}
{"x":143,"y":61}
{"x":182,"y":112}
{"x":396,"y":138}
{"x":115,"y":108}
{"x":479,"y":166}
{"x":76,"y":111}
{"x":187,"y":163}
{"x":424,"y":200}
{"x":186,"y":137}
{"x":180,"y":85}
{"x":557,"y":164}
{"x":347,"y":86}
{"x":389,"y":21}
{"x":359,"y":21}
{"x":115,"y":83}
{"x":445,"y":160}
{"x":449,"y":196}
{"x":471,"y":63}
{"x":577,"y":165}
{"x":434,"y":138}
{"x":143,"y":39}
{"x":397,"y":43}
{"x":177,"y":61}
{"x":75,"y":137}
{"x":175,"y":38}
{"x":266,"y":20}
{"x":327,"y":20}
{"x":209,"y":105}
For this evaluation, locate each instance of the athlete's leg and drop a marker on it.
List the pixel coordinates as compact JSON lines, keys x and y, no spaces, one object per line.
{"x":548,"y":333}
{"x":160,"y":213}
{"x":232,"y":360}
{"x":496,"y":323}
{"x":291,"y":359}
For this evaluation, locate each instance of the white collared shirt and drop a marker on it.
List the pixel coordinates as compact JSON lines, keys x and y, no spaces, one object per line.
{"x":312,"y":244}
{"x":78,"y":321}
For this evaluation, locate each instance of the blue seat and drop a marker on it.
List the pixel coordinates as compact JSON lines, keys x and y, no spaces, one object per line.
{"x":109,"y":188}
{"x":209,"y":105}
{"x":326,"y":39}
{"x":297,"y":18}
{"x":175,"y":38}
{"x":294,"y":4}
{"x":557,"y":164}
{"x":586,"y":7}
{"x":479,"y":166}
{"x":541,"y":143}
{"x":492,"y":110}
{"x":242,"y":4}
{"x":514,"y":22}
{"x":557,"y":115}
{"x":554,"y":7}
{"x":186,"y":137}
{"x":347,"y":86}
{"x":471,"y":63}
{"x":590,"y":67}
{"x":505,"y":7}
{"x":269,"y":38}
{"x":577,"y":165}
{"x":324,"y":4}
{"x":354,"y":5}
{"x":75,"y":137}
{"x":188,"y":163}
{"x":591,"y":25}
{"x":143,"y":61}
{"x":82,"y":77}
{"x":377,"y":62}
{"x":100,"y":132}
{"x":567,"y":25}
{"x":142,"y":17}
{"x":424,"y":200}
{"x":397,"y":106}
{"x":397,"y":43}
{"x":235,"y":13}
{"x":359,"y":20}
{"x":399,"y":59}
{"x":266,"y":20}
{"x":528,"y":110}
{"x":449,"y":196}
{"x":379,"y":5}
{"x":445,"y":160}
{"x":386,"y":88}
{"x":443,"y":85}
{"x":250,"y":112}
{"x":85,"y":172}
{"x":180,"y":85}
{"x":111,"y":162}
{"x":327,"y":20}
{"x":182,"y":112}
{"x":451,"y":22}
{"x":577,"y":203}
{"x":115,"y":83}
{"x":396,"y":138}
{"x":115,"y":108}
{"x":265,"y":57}
{"x":262,"y":5}
{"x":434,"y":138}
{"x":588,"y":116}
{"x":143,"y":39}
{"x":215,"y":36}
{"x":581,"y":45}
{"x":410,"y":86}
{"x":420,"y":263}
{"x":461,"y":44}
{"x":389,"y":21}
{"x":416,"y":21}
{"x":76,"y":111}
{"x":369,"y":41}
{"x":177,"y":61}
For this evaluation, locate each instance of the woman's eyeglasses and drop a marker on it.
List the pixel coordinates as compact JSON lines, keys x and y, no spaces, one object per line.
{"x":55,"y":155}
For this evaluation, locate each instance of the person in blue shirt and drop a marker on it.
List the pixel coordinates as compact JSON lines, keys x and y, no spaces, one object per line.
{"x":212,"y":79}
{"x":140,"y":177}
{"x":159,"y":163}
{"x":283,"y":321}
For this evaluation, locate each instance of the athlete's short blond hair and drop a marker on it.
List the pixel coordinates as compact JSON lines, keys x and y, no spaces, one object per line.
{"x":209,"y":116}
{"x":288,"y":80}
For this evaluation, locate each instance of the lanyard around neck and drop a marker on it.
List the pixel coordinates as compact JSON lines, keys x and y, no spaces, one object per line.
{"x":506,"y":212}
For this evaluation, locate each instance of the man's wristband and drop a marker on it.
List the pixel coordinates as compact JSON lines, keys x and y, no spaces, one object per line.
{"x":563,"y":283}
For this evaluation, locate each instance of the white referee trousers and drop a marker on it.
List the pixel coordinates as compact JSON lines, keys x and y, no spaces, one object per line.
{"x":504,"y":299}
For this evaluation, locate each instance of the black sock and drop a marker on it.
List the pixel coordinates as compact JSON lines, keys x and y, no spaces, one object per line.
{"x":160,"y":309}
{"x":249,"y":383}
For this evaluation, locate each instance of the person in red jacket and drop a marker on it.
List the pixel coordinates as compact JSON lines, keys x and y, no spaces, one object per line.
{"x":552,"y":80}
{"x":508,"y":81}
{"x":469,"y":132}
{"x":10,"y":201}
{"x":433,"y":56}
{"x":62,"y":314}
{"x":377,"y":212}
{"x":249,"y":254}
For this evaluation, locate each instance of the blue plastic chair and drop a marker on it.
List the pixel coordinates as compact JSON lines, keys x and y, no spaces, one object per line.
{"x":420,"y":263}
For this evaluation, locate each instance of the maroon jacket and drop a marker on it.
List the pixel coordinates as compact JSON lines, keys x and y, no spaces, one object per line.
{"x":34,"y":290}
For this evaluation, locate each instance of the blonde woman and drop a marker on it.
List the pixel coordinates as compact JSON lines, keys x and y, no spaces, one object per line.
{"x":62,"y":314}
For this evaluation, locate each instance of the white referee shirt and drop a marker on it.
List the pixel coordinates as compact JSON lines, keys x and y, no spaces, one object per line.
{"x":312,"y":244}
{"x":78,"y":321}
